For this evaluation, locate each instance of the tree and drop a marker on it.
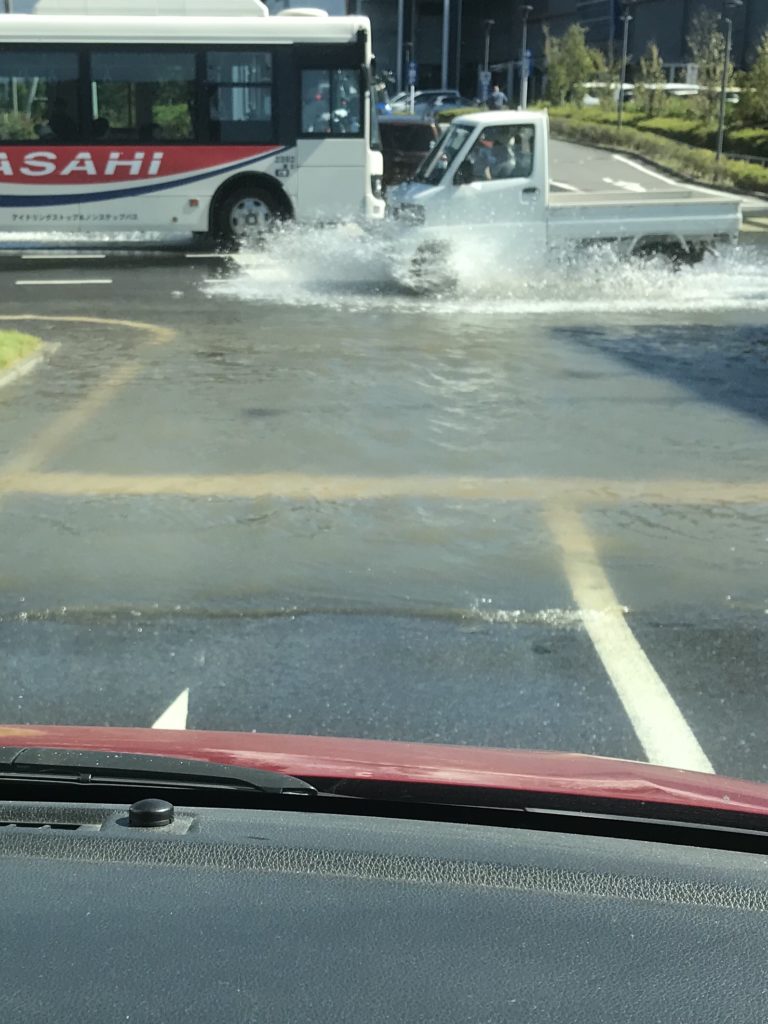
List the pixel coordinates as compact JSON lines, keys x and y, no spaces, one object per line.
{"x":706,"y":43}
{"x":649,"y":81}
{"x":753,"y":101}
{"x":607,"y":75}
{"x":556,"y":87}
{"x":570,"y":63}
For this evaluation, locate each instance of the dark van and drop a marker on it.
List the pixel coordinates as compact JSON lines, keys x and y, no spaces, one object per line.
{"x":405,"y":141}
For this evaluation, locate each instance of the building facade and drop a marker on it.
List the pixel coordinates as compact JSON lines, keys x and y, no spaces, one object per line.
{"x":446,"y":39}
{"x":456,"y":29}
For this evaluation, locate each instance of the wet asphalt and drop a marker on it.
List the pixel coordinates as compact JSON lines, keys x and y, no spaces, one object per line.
{"x":202,"y":509}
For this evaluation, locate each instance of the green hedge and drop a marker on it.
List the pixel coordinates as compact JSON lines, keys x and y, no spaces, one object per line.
{"x":690,"y":161}
{"x":596,"y":115}
{"x":746,"y":141}
{"x":693,"y":133}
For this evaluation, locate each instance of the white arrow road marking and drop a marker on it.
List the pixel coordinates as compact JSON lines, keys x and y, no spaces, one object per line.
{"x":629,"y":186}
{"x":564,"y":186}
{"x":175,"y":715}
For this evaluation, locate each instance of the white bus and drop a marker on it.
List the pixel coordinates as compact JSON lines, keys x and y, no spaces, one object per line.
{"x":210,"y":125}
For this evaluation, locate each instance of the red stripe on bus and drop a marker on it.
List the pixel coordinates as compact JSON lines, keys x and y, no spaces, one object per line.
{"x":100,"y":165}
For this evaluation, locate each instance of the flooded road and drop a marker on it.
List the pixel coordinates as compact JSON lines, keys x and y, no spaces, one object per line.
{"x":530,"y":513}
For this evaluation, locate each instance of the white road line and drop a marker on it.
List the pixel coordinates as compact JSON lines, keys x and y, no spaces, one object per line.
{"x":175,"y":715}
{"x":628,"y":186}
{"x":682,"y":185}
{"x":663,"y":732}
{"x":21,"y":369}
{"x":62,"y":281}
{"x":64,"y":256}
{"x":205,"y":256}
{"x":564,"y":186}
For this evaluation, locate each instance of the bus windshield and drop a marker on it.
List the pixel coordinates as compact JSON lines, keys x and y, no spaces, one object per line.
{"x":440,"y":159}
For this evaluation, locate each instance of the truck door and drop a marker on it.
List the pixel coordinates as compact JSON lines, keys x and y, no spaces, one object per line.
{"x":499,"y":189}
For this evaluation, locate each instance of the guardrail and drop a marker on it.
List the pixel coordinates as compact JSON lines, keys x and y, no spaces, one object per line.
{"x":749,"y":159}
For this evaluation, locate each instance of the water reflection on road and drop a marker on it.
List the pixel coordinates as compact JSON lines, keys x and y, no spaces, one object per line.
{"x":316,"y":440}
{"x":597,"y":369}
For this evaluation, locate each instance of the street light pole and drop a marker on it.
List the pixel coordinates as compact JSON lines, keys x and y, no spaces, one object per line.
{"x":489,"y":23}
{"x":525,"y":10}
{"x":446,"y":43}
{"x":485,"y":91}
{"x":400,"y":41}
{"x":459,"y":16}
{"x":626,"y":17}
{"x":728,"y":5}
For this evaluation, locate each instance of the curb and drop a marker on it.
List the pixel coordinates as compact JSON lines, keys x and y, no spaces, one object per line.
{"x":24,"y":366}
{"x":666,"y":170}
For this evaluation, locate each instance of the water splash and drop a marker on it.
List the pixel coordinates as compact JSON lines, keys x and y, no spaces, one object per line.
{"x":348,"y":268}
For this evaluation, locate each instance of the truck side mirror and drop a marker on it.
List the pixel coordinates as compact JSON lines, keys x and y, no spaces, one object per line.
{"x":465,"y":174}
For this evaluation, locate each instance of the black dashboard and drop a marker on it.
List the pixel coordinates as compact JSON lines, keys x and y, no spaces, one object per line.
{"x":286,"y":916}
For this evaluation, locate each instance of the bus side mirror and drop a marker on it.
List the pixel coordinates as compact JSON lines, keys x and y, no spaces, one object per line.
{"x":465,"y":174}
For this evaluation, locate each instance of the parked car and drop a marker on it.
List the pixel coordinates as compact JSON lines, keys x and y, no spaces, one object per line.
{"x":405,"y":141}
{"x":427,"y":98}
{"x":446,"y":103}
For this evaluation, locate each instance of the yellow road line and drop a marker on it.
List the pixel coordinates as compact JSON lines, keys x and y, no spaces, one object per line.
{"x":578,"y":491}
{"x":159,"y":334}
{"x":64,"y":426}
{"x":659,"y":724}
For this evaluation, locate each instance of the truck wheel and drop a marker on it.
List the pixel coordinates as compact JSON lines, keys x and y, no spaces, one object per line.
{"x":246,"y":216}
{"x":431,"y":269}
{"x":673,"y":252}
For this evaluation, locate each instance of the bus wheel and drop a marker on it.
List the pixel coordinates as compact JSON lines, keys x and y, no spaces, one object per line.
{"x":246,"y":216}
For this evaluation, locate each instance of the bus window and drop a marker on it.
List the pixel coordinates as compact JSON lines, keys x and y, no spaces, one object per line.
{"x":239,"y":85}
{"x":330,"y":102}
{"x":141,"y":96}
{"x":38,"y":96}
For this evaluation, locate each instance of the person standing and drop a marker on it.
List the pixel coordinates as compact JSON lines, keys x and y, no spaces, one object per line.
{"x":497,"y":100}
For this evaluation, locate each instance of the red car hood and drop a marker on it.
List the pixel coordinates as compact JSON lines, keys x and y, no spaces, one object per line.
{"x":322,"y":757}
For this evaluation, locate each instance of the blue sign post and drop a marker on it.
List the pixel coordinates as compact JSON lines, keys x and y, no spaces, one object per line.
{"x":413,"y":74}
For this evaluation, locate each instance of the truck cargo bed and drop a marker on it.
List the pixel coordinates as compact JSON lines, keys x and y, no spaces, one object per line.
{"x":686,"y":214}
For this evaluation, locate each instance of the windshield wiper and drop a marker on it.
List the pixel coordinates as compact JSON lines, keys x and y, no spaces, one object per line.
{"x":98,"y":768}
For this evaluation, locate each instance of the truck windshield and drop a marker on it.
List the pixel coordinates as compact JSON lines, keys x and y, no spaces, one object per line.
{"x":442,"y":156}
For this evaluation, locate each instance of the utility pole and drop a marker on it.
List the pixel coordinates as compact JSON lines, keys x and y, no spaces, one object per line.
{"x":488,"y":23}
{"x":728,"y":6}
{"x":446,"y":43}
{"x":611,"y":32}
{"x":525,"y":10}
{"x":459,"y":16}
{"x":9,"y":6}
{"x":400,"y":41}
{"x":626,"y":17}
